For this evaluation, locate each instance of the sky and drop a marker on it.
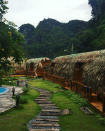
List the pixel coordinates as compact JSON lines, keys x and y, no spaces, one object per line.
{"x":33,"y":11}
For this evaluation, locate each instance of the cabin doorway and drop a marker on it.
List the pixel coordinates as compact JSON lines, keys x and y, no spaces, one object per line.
{"x":78,"y":71}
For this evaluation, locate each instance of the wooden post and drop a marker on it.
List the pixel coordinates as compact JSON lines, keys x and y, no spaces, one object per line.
{"x":104,"y":102}
{"x":44,"y":75}
{"x":66,"y":85}
{"x":90,"y":93}
{"x":86,"y":91}
{"x":71,"y":85}
{"x":76,"y":87}
{"x":79,"y":88}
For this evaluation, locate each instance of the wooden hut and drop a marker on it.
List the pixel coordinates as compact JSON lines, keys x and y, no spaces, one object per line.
{"x":35,"y":67}
{"x":73,"y":66}
{"x":84,"y":72}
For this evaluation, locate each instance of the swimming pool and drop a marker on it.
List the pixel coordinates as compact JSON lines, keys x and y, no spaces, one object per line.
{"x":3,"y":90}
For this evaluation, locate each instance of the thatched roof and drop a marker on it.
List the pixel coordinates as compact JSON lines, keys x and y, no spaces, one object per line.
{"x":37,"y":62}
{"x":80,"y":57}
{"x":94,"y":73}
{"x":34,"y":60}
{"x":93,"y":65}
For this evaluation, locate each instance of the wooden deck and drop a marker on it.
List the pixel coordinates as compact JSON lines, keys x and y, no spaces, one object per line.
{"x":98,"y":105}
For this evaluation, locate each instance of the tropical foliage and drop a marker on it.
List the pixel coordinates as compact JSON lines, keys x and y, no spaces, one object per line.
{"x":11,"y":42}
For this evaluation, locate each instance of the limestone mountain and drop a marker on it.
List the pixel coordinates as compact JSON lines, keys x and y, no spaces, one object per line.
{"x":51,"y":37}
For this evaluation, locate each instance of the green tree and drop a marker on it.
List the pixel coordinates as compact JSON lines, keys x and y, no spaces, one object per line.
{"x":11,"y":42}
{"x":3,"y":8}
{"x":10,"y":47}
{"x":98,"y":8}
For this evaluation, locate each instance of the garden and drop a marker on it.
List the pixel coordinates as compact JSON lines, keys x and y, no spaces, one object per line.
{"x":17,"y":118}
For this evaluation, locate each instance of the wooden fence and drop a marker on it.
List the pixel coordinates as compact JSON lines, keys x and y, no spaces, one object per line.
{"x":75,"y":86}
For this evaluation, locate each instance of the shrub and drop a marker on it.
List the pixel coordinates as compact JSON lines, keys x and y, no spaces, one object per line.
{"x":83,"y":102}
{"x":25,"y":90}
{"x":101,"y":119}
{"x":76,"y":98}
{"x":23,"y":101}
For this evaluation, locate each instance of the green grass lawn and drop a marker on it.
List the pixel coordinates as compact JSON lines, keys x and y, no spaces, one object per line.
{"x":17,"y":119}
{"x":40,"y":83}
{"x":78,"y":121}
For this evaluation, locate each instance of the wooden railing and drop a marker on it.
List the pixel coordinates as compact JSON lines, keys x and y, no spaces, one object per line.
{"x":76,"y":86}
{"x":20,"y":72}
{"x":81,"y":89}
{"x":54,"y":78}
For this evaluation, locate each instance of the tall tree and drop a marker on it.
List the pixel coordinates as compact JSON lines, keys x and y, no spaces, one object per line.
{"x":98,"y":8}
{"x":10,"y":43}
{"x":3,"y":8}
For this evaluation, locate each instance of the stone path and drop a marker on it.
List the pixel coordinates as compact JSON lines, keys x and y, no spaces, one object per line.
{"x":6,"y":101}
{"x":47,"y":120}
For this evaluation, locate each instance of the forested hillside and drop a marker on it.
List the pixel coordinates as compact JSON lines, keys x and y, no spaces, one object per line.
{"x":52,"y":38}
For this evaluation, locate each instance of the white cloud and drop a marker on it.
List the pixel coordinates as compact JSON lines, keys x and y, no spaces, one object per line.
{"x":33,"y":11}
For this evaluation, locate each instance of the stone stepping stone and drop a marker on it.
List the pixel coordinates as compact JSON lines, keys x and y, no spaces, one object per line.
{"x":43,"y":95}
{"x":47,"y":120}
{"x":47,"y":117}
{"x":44,"y":102}
{"x":45,"y":125}
{"x":51,"y":110}
{"x":47,"y":104}
{"x":44,"y":91}
{"x":40,"y":99}
{"x":49,"y":107}
{"x":39,"y":89}
{"x":45,"y":113}
{"x":48,"y":112}
{"x":45,"y":129}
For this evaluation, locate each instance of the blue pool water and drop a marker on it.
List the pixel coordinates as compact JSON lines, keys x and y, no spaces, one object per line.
{"x":3,"y":90}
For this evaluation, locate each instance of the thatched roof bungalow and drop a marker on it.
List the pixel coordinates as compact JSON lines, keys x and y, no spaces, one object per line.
{"x":84,"y":73}
{"x":35,"y":66}
{"x":88,"y":68}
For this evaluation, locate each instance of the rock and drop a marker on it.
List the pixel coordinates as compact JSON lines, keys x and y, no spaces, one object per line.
{"x":61,"y":90}
{"x":55,"y":92}
{"x":66,"y":112}
{"x":86,"y":110}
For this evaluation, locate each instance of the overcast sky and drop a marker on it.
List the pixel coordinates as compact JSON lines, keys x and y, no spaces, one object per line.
{"x":34,"y":11}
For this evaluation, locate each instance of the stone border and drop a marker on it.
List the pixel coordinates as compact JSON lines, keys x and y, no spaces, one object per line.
{"x":6,"y":100}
